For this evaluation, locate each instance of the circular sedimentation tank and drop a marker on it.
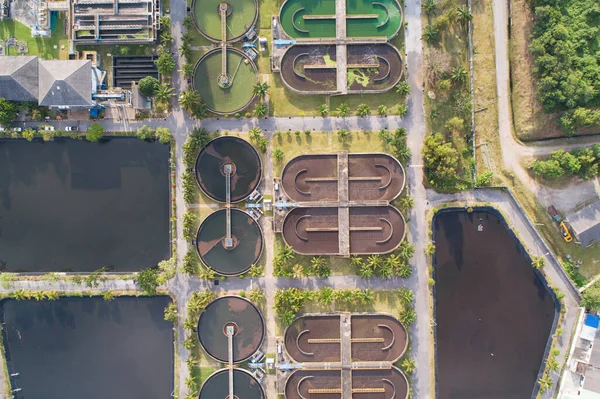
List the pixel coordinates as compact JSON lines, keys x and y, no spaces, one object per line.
{"x":232,"y":95}
{"x":211,"y":166}
{"x":241,"y":16}
{"x":245,"y":386}
{"x":246,"y":245}
{"x":246,"y":320}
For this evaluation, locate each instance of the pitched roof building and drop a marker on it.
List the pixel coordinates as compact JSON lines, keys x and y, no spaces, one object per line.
{"x":19,"y":78}
{"x":65,"y":83}
{"x":586,"y":224}
{"x":51,"y":83}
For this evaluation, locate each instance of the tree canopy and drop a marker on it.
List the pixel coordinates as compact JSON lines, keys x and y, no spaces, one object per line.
{"x":8,"y":112}
{"x":148,"y":86}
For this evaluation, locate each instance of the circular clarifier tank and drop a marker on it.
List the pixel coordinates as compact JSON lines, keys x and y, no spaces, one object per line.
{"x":240,"y":16}
{"x":245,"y":321}
{"x":245,"y":386}
{"x":230,"y":92}
{"x":228,"y":154}
{"x":236,"y":256}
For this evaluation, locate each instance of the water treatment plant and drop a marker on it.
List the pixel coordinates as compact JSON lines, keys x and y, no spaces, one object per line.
{"x":344,"y":356}
{"x":228,"y":170}
{"x":231,"y":330}
{"x":340,"y":204}
{"x":337,"y":47}
{"x":224,"y":76}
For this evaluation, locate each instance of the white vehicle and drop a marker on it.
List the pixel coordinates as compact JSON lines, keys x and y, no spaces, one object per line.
{"x":2,"y":129}
{"x":71,"y":129}
{"x":18,"y":129}
{"x":48,"y":127}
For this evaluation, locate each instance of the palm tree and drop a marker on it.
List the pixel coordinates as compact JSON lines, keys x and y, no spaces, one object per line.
{"x":430,"y":6}
{"x":382,"y":110}
{"x":356,"y":261}
{"x":297,"y":271}
{"x":188,"y":21}
{"x":206,"y":273}
{"x":186,"y":38}
{"x":255,"y":271}
{"x":363,"y":110}
{"x":324,"y":110}
{"x":545,"y":383}
{"x":185,"y":50}
{"x":374,"y":261}
{"x":365,"y":271}
{"x":430,"y":33}
{"x":407,"y":316}
{"x":326,"y":295}
{"x":255,"y":134}
{"x":407,"y":250}
{"x":408,"y":365}
{"x":343,"y":110}
{"x":166,"y":38}
{"x":463,"y":14}
{"x":459,"y":74}
{"x":164,"y":93}
{"x":260,"y":90}
{"x":286,"y":253}
{"x":430,"y":248}
{"x":187,"y":70}
{"x":260,"y":110}
{"x":552,"y":363}
{"x":407,"y":202}
{"x":343,"y":134}
{"x":39,"y":295}
{"x":393,"y":262}
{"x":367,"y":295}
{"x":189,"y":324}
{"x":190,"y":100}
{"x":538,"y":262}
{"x":278,"y":154}
{"x":403,"y":154}
{"x":406,"y":295}
{"x":403,"y":88}
{"x":405,"y":270}
{"x":256,"y":295}
{"x":402,"y":110}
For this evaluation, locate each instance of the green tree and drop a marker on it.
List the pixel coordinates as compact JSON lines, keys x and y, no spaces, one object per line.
{"x":28,"y":134}
{"x":278,"y":154}
{"x":545,"y":382}
{"x":163,"y":134}
{"x":407,"y":316}
{"x":148,"y":86}
{"x":325,"y":295}
{"x":164,"y":94}
{"x":343,"y":134}
{"x":256,"y":295}
{"x":261,"y":90}
{"x":165,"y":64}
{"x":8,"y":112}
{"x":441,"y":161}
{"x":297,"y":271}
{"x":403,"y":88}
{"x":324,"y":110}
{"x":459,"y":74}
{"x":402,"y":109}
{"x":188,"y":21}
{"x":430,"y":33}
{"x":407,"y":202}
{"x":430,"y":248}
{"x":206,"y":273}
{"x":320,"y":267}
{"x":382,"y":110}
{"x":407,"y":296}
{"x":187,"y":70}
{"x":363,"y":110}
{"x":260,"y":109}
{"x":463,"y":14}
{"x":430,"y":6}
{"x":408,"y":365}
{"x":255,"y":271}
{"x":538,"y":262}
{"x":186,"y":50}
{"x":343,"y":110}
{"x":148,"y":280}
{"x":171,"y":313}
{"x":94,"y":132}
{"x":365,"y":271}
{"x":108,"y":296}
{"x":189,"y":100}
{"x":145,"y":133}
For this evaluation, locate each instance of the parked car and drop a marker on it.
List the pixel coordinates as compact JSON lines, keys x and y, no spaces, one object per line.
{"x":18,"y":129}
{"x":2,"y":129}
{"x":71,"y":129}
{"x":48,"y":127}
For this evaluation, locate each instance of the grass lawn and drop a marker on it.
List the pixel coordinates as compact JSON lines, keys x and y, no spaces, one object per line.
{"x":206,"y":366}
{"x":42,"y":47}
{"x":324,"y":142}
{"x":487,"y":141}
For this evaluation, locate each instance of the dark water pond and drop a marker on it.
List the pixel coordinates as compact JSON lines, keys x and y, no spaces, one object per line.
{"x":493,"y":314}
{"x":89,"y":348}
{"x":72,"y":205}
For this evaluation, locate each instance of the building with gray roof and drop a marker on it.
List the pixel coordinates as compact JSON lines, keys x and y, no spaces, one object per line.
{"x":65,"y":83}
{"x":50,"y":83}
{"x":585,"y":223}
{"x":19,"y":78}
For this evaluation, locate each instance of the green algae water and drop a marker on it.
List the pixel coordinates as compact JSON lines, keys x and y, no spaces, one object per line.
{"x":294,"y":20}
{"x":387,"y":22}
{"x":208,"y":19}
{"x":225,"y":100}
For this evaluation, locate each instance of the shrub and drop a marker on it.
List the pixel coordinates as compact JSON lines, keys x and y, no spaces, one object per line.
{"x":95,"y":132}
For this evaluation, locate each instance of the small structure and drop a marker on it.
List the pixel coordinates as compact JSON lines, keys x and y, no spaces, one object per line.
{"x":585,"y":223}
{"x":582,"y":376}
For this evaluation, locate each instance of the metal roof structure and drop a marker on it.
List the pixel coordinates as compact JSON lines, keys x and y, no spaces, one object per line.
{"x":19,"y":78}
{"x":586,"y":224}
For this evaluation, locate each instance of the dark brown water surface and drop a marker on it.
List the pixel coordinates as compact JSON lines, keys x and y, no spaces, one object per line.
{"x":72,"y":205}
{"x":76,"y":348}
{"x":493,"y":314}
